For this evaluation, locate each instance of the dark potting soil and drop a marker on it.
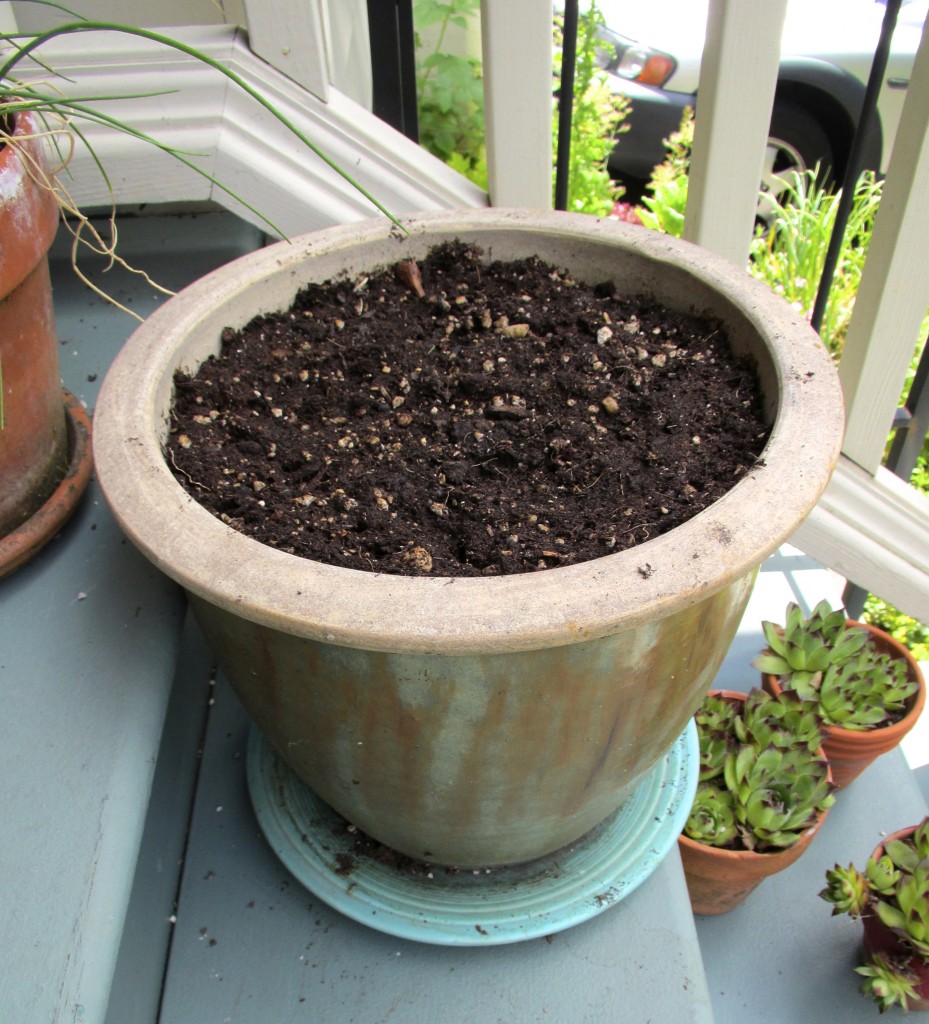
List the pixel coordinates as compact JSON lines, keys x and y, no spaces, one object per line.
{"x":464,"y":419}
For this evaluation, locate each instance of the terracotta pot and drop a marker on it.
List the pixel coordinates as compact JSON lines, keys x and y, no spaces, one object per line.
{"x":720,"y":880}
{"x":850,"y":751}
{"x":27,"y":539}
{"x":878,"y":938}
{"x":34,"y":440}
{"x":473,"y":721}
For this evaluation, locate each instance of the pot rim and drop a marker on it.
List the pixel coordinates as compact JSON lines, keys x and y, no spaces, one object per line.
{"x":463,"y":615}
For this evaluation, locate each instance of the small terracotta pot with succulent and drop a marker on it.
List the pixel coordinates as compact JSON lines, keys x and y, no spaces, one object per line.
{"x":864,"y":685}
{"x":764,"y":790}
{"x":45,"y":461}
{"x":891,"y":897}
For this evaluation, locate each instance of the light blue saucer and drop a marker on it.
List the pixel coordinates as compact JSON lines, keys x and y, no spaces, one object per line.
{"x":474,"y":908}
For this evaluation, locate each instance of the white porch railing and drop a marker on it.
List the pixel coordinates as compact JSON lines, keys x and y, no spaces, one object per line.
{"x":870,"y":527}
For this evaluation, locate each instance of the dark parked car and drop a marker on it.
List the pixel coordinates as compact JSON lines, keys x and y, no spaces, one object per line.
{"x":653,"y":51}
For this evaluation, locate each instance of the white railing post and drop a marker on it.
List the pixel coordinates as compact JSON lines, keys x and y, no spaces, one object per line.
{"x":738,"y":75}
{"x":894,"y":290}
{"x":517,"y":52}
{"x":290,"y":36}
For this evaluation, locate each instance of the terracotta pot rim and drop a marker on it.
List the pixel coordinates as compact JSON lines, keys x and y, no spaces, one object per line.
{"x":900,"y":833}
{"x":463,"y":615}
{"x":21,"y":544}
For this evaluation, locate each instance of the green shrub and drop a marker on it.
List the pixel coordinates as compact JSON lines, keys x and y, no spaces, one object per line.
{"x":910,"y":632}
{"x":450,"y":102}
{"x":597,"y":119}
{"x":450,"y":91}
{"x":665,"y":207}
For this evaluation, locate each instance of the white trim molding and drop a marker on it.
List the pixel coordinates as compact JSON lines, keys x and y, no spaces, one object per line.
{"x":196,"y":109}
{"x":293,"y":41}
{"x":873,"y":530}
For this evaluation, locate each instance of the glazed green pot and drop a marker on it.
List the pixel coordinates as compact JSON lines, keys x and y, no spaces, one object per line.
{"x":474,"y":721}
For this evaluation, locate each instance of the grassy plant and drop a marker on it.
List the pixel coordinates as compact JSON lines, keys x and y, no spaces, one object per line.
{"x":65,"y":117}
{"x":450,"y":90}
{"x":789,"y":255}
{"x":597,"y":119}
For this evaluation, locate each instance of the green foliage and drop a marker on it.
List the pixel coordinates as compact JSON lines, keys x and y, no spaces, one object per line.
{"x":762,"y":780}
{"x":920,"y":475}
{"x":888,"y":982}
{"x":806,"y":645}
{"x":790,"y":253}
{"x":914,"y":634}
{"x":847,"y":890}
{"x":450,"y":91}
{"x":895,"y":887}
{"x":712,"y":817}
{"x":665,"y":207}
{"x":716,"y":719}
{"x":834,"y":669}
{"x":777,"y":792}
{"x":906,"y":912}
{"x":451,"y":104}
{"x":863,"y":692}
{"x":777,"y":723}
{"x":597,"y":119}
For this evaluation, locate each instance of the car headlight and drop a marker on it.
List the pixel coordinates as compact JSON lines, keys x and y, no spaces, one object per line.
{"x":632,"y":60}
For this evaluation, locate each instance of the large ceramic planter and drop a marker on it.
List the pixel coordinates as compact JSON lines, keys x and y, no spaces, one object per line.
{"x":850,"y":751}
{"x":878,"y":938}
{"x":720,"y":880}
{"x":473,"y":721}
{"x":44,"y":442}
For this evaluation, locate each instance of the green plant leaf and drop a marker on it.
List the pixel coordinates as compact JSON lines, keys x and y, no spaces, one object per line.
{"x":892,"y":916}
{"x":772,"y":664}
{"x":902,"y":854}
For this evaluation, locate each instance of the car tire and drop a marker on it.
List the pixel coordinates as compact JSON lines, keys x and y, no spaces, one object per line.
{"x":796,"y":143}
